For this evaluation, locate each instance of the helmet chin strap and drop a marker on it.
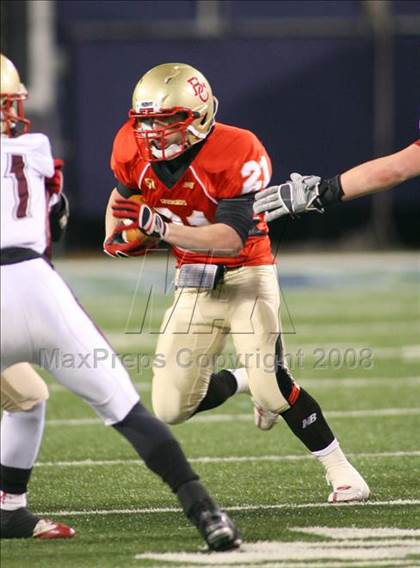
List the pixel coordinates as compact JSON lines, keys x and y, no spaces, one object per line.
{"x":197,"y":134}
{"x":170,"y":151}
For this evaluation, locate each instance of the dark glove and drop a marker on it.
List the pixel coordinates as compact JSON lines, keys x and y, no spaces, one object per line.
{"x":59,"y":216}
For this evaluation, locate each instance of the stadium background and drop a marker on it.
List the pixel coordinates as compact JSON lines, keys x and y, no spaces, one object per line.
{"x":324,"y":84}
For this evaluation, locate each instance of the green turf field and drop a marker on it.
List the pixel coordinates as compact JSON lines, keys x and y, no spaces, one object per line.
{"x":352,"y":329}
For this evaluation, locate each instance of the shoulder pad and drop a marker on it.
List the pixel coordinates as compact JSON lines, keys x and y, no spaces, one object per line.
{"x":226,"y":146}
{"x":124,"y":149}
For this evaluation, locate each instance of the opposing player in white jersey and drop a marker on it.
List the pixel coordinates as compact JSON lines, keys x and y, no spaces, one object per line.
{"x":42,"y":323}
{"x":23,"y":392}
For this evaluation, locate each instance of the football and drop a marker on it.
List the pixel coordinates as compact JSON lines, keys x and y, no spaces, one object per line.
{"x":132,"y":235}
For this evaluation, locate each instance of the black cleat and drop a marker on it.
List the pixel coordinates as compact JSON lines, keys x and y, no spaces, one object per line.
{"x":21,"y":523}
{"x":17,"y":524}
{"x":215,"y":526}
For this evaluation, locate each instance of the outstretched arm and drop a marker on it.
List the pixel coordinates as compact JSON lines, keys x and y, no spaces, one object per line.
{"x":311,"y":193}
{"x":382,"y":173}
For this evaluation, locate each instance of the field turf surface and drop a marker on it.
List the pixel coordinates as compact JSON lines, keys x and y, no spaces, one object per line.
{"x":352,"y":331}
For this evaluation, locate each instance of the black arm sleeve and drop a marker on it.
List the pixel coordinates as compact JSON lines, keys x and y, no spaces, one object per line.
{"x":125,"y":191}
{"x":236,"y":213}
{"x":330,"y":191}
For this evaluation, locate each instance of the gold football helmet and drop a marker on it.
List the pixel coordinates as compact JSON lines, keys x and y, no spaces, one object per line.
{"x":12,"y":94}
{"x":173,"y":108}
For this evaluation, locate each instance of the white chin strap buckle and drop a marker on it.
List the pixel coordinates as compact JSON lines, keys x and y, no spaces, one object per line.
{"x":169,"y":151}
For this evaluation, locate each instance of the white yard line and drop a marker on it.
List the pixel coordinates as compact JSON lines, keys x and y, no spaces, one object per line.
{"x":393,"y":503}
{"x":354,"y":382}
{"x":354,"y":533}
{"x":314,"y":350}
{"x":368,"y":413}
{"x":136,"y":343}
{"x":382,"y":412}
{"x":225,"y":459}
{"x":361,"y":382}
{"x":378,"y":326}
{"x":384,"y":327}
{"x":284,"y":554}
{"x":337,"y":330}
{"x":285,"y":563}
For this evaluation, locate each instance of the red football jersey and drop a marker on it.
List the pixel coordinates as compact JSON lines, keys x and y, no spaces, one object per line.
{"x":231,"y":163}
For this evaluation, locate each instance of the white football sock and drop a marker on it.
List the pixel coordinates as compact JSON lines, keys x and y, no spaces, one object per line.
{"x":331,"y":456}
{"x":11,"y":501}
{"x":241,"y":377}
{"x":21,"y":435}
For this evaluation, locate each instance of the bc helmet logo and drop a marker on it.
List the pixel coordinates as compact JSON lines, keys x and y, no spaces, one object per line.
{"x":200,"y":89}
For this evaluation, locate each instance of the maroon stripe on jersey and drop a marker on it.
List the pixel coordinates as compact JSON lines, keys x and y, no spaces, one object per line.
{"x":17,"y":169}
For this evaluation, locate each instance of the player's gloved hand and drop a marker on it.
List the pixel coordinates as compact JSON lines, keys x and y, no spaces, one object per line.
{"x":54,"y":184}
{"x":151,"y":223}
{"x":298,"y":195}
{"x":59,"y":216}
{"x":116,"y":247}
{"x":126,"y":209}
{"x":144,"y":216}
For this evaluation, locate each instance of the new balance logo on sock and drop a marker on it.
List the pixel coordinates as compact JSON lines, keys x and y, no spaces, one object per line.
{"x":309,"y":420}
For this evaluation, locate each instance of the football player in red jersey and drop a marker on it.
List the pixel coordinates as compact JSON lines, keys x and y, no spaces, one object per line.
{"x":198,"y":179}
{"x":311,"y":193}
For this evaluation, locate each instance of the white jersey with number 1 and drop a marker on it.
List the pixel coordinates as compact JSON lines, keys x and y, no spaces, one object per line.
{"x":41,"y":321}
{"x":25,"y":163}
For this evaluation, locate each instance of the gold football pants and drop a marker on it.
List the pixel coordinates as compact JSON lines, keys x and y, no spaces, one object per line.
{"x":193,"y":333}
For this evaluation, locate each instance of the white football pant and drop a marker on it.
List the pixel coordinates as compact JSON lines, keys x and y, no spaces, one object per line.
{"x":42,"y":323}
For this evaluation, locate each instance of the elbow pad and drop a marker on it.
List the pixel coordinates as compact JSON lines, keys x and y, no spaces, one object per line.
{"x":125,"y":191}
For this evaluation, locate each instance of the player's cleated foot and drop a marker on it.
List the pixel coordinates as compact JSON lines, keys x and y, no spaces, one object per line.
{"x":49,"y":530}
{"x":215,"y":526}
{"x":21,"y":523}
{"x":348,"y":485}
{"x":264,"y":419}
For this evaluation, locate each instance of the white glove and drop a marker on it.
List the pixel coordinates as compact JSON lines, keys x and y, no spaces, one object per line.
{"x":298,"y":195}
